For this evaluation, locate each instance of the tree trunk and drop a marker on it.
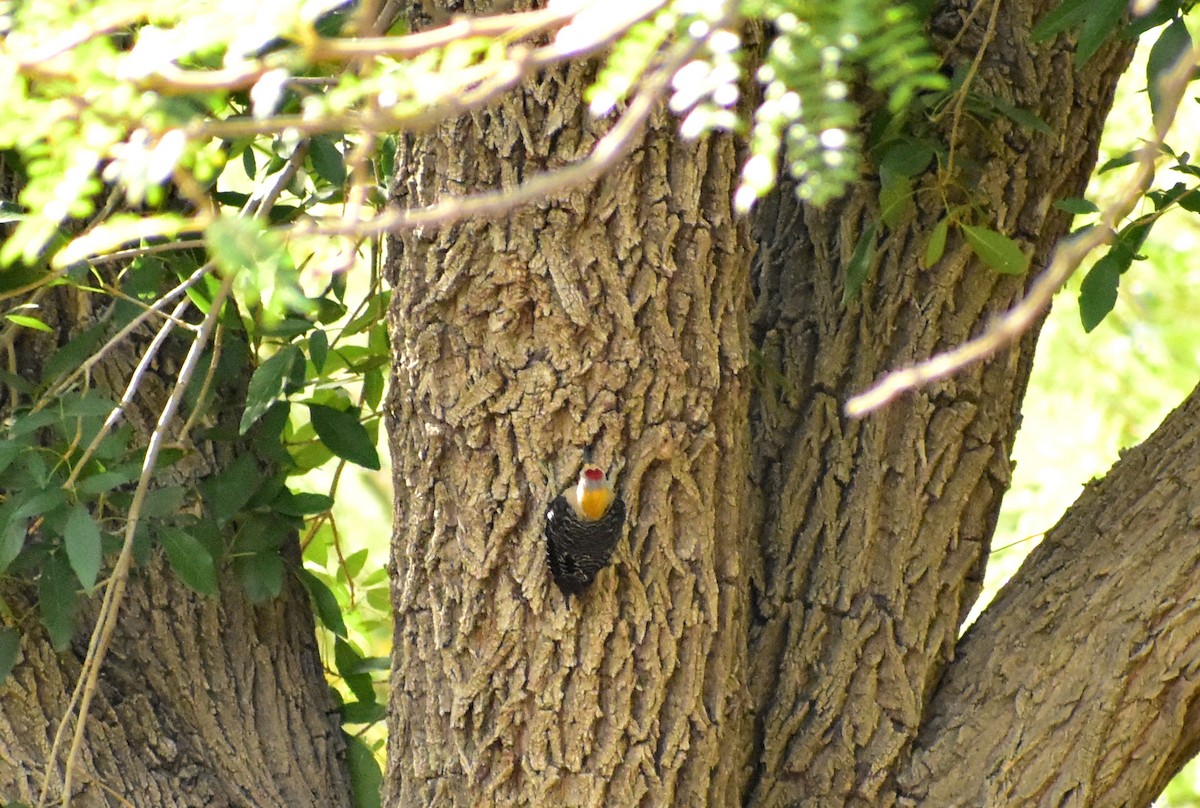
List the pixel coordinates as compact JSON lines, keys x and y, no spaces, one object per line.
{"x":875,"y":533}
{"x":612,"y":320}
{"x":200,"y":702}
{"x":788,"y":602}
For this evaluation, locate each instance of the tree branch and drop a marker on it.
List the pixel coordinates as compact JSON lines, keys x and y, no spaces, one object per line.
{"x":1080,"y":684}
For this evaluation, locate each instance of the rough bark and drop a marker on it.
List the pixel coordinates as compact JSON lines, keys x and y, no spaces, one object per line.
{"x":201,"y":702}
{"x":612,"y":318}
{"x":1079,"y":685}
{"x":768,"y":643}
{"x":875,"y":533}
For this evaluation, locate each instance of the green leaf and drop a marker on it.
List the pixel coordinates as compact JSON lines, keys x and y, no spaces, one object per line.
{"x":907,"y":158}
{"x":1171,"y":46}
{"x":936,"y":245}
{"x":327,"y":161}
{"x":267,"y":384}
{"x":318,"y":348}
{"x":1076,"y":206}
{"x":10,"y":646}
{"x":12,"y":541}
{"x":190,"y":560}
{"x":227,"y":492}
{"x":71,"y":356}
{"x":997,"y":250}
{"x":860,"y":263}
{"x":1121,"y":160}
{"x":327,"y":606}
{"x":38,"y":503}
{"x":9,"y":450}
{"x":1065,"y":15}
{"x":354,"y":562}
{"x":347,"y":660}
{"x":1103,"y":18}
{"x":237,"y":244}
{"x":29,"y":322}
{"x":57,"y":600}
{"x":1098,"y":292}
{"x":108,"y":480}
{"x":81,"y":537}
{"x":373,"y":386}
{"x":165,"y":501}
{"x":302,"y":504}
{"x":1018,"y":115}
{"x":895,"y":197}
{"x":366,"y":779}
{"x":1190,"y":201}
{"x":248,"y":161}
{"x":360,"y":712}
{"x":261,"y":575}
{"x":345,"y":436}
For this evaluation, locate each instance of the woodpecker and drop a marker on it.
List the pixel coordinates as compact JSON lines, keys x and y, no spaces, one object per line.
{"x":583,"y":525}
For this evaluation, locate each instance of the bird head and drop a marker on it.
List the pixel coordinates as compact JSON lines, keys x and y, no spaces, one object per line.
{"x":593,"y":492}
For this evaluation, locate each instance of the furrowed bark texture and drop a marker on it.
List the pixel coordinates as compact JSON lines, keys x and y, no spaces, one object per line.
{"x":875,"y":532}
{"x":1080,"y":684}
{"x":613,"y":318}
{"x":201,"y":702}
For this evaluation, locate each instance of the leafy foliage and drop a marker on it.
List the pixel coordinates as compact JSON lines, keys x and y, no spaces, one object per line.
{"x":807,"y":112}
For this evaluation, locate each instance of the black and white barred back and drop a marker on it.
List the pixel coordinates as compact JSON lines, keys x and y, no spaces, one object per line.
{"x":577,"y":549}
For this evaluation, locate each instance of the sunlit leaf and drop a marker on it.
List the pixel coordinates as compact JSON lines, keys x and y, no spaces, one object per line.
{"x":997,"y":250}
{"x":936,"y":246}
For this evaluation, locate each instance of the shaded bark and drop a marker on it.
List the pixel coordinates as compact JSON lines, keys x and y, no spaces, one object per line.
{"x":201,"y":702}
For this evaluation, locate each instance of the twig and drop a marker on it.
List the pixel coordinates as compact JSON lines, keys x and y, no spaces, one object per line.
{"x":135,"y":381}
{"x":989,"y":34}
{"x":211,"y":374}
{"x":1067,"y":258}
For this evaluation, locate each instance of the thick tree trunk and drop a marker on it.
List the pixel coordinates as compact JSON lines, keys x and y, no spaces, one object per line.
{"x":709,"y":667}
{"x":874,"y":533}
{"x":611,"y":319}
{"x":201,"y":702}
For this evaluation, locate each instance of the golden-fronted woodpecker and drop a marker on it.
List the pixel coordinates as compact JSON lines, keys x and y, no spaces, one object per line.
{"x":583,"y":525}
